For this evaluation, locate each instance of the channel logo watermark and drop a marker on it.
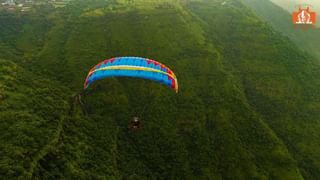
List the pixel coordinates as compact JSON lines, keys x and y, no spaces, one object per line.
{"x":304,"y":17}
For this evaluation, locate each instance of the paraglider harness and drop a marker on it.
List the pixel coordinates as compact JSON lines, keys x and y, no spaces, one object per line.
{"x":135,"y":124}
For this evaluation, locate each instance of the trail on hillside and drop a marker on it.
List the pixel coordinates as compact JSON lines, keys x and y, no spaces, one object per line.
{"x":76,"y":100}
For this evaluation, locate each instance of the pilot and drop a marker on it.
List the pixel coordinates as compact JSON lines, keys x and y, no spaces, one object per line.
{"x":135,"y":124}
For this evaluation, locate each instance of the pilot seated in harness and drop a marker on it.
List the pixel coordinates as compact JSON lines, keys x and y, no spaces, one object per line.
{"x":135,"y":124}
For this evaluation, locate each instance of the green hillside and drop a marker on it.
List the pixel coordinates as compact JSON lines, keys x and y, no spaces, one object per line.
{"x":247,"y":108}
{"x":291,"y":6}
{"x":280,"y":19}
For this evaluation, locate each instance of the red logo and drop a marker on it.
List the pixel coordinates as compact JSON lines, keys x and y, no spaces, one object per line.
{"x":304,"y":17}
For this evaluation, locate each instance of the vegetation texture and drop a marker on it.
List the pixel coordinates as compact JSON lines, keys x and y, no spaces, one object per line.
{"x":248,"y":106}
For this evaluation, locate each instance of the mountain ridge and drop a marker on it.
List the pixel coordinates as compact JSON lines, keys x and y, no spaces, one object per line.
{"x":235,"y":116}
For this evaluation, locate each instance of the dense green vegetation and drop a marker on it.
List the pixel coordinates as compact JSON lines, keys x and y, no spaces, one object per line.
{"x":248,"y":105}
{"x":307,"y":39}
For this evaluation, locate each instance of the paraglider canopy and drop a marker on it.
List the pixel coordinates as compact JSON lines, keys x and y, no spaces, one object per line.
{"x":133,"y":67}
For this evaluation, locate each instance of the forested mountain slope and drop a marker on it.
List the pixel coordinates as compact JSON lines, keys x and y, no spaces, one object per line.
{"x":248,"y":105}
{"x":281,"y":20}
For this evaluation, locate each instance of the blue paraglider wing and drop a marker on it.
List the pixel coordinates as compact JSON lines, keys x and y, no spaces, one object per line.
{"x":132,"y":67}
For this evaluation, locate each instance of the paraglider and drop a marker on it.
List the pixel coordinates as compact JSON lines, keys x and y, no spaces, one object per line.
{"x":132,"y":67}
{"x":136,"y":67}
{"x":135,"y":124}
